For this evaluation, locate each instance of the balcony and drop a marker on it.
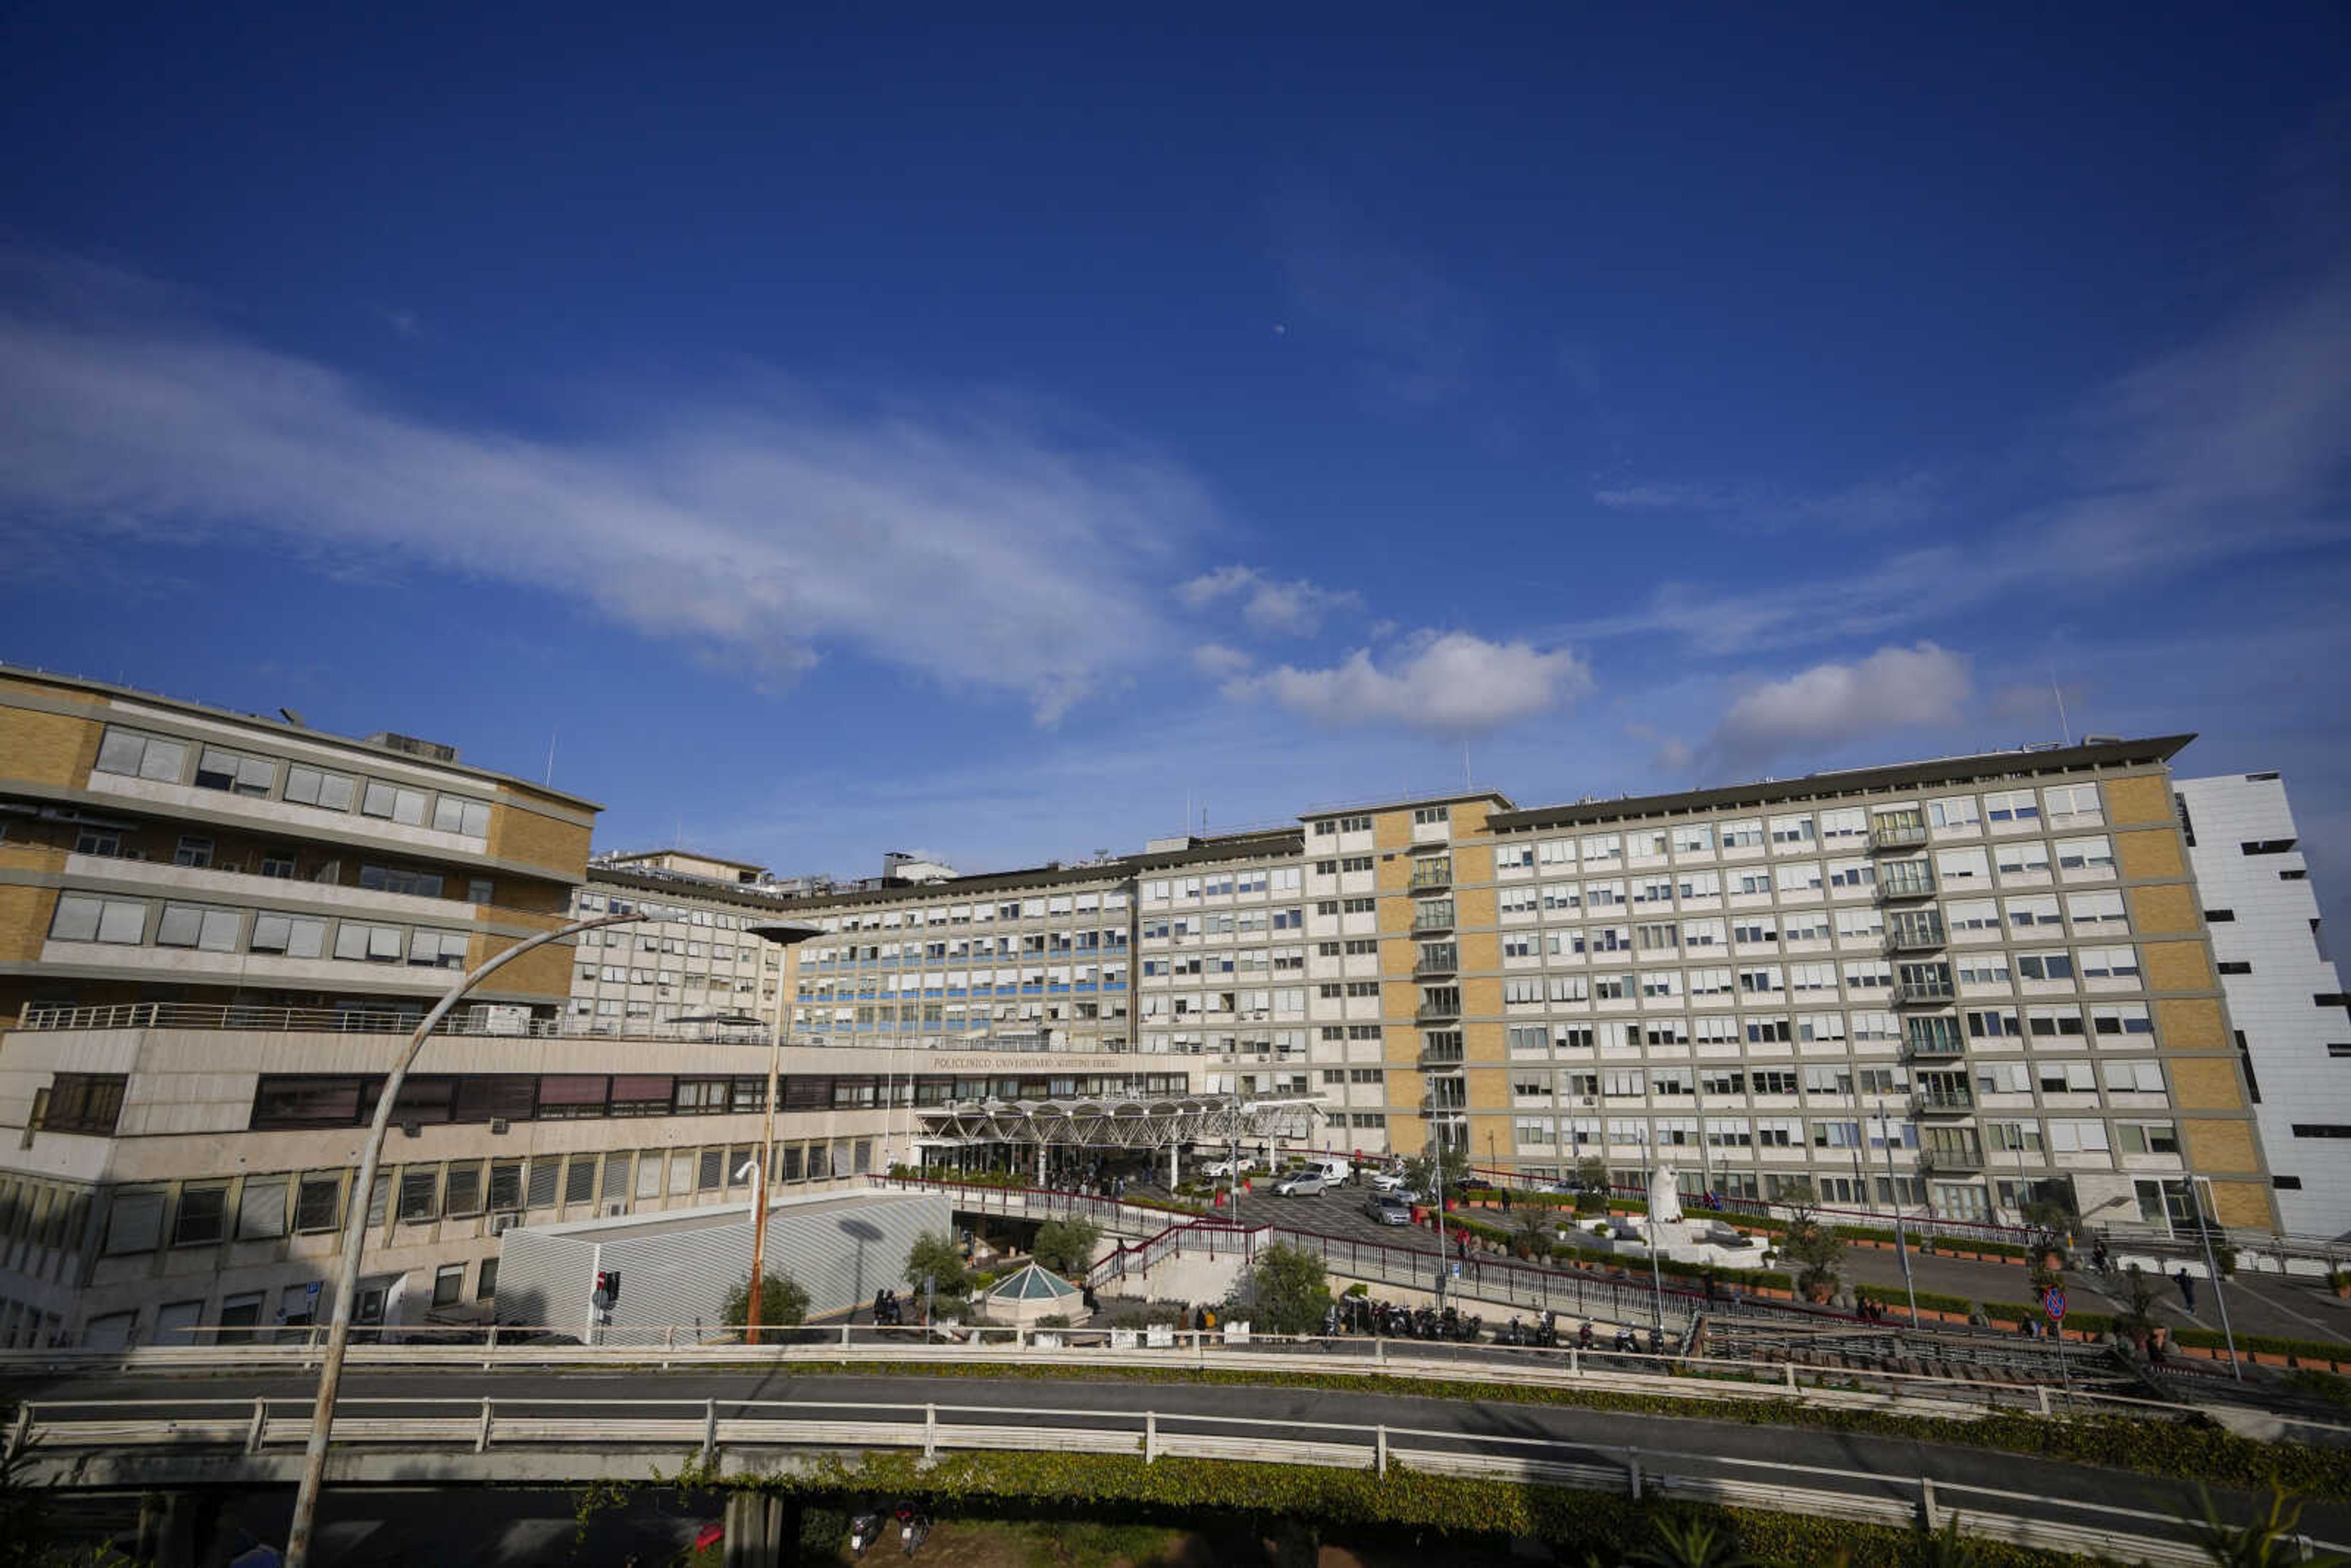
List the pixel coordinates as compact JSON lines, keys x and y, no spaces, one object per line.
{"x":1888,"y":834}
{"x":1439,"y":1056}
{"x":1444,"y":1105}
{"x":1431,"y":874}
{"x":1954,"y":1102}
{"x":1954,"y":1161}
{"x":1932,"y":1049}
{"x":1927,"y":936}
{"x":1903,"y":879}
{"x":1430,"y":918}
{"x":1436,"y":959}
{"x":1437,"y":1006}
{"x":1924,"y":993}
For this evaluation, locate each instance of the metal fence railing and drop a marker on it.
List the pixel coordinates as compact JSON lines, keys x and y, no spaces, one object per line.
{"x":81,"y":1443}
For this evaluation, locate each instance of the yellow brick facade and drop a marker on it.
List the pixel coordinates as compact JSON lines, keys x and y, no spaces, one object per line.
{"x":2168,"y":909}
{"x":2144,"y":799}
{"x":2244,"y":1205}
{"x":529,"y":838}
{"x":2207,"y":1083}
{"x":2189,"y":1023}
{"x":25,"y":915}
{"x":2149,"y":854}
{"x":54,"y":749}
{"x":2177,"y":966}
{"x":2220,"y":1146}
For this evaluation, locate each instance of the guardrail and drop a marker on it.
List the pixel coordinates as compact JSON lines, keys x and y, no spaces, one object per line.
{"x":1232,"y":1348}
{"x":72,"y":1439}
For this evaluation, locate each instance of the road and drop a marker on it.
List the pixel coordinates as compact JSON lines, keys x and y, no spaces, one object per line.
{"x":1677,"y":1446}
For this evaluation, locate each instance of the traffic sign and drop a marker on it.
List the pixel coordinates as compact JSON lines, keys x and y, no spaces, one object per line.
{"x":2055,"y":1303}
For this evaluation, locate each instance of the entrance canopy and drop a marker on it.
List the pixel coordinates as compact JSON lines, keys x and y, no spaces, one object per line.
{"x":1120,"y":1124}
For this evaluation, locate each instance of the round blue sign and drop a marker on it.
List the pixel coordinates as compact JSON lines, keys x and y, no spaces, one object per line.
{"x":2055,"y":1303}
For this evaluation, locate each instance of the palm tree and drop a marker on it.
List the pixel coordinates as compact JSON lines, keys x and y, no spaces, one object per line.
{"x":2268,"y":1541}
{"x":1690,"y":1544}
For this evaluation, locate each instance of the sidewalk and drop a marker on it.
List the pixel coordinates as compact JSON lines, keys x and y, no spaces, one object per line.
{"x":2257,"y":1305}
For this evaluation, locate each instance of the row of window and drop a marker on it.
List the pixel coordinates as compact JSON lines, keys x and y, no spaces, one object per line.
{"x":1873,"y":1134}
{"x":588,"y":902}
{"x":214,"y":928}
{"x":138,"y":755}
{"x":2142,"y":1075}
{"x":2116,"y":1022}
{"x":965,"y":949}
{"x":2006,"y":811}
{"x":1050,"y":906}
{"x":331,"y":1100}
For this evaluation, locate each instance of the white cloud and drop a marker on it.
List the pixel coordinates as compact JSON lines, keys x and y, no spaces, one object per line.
{"x":1894,"y":688}
{"x":1268,"y":606}
{"x":1452,"y":682}
{"x":977,"y":549}
{"x":1218,"y":662}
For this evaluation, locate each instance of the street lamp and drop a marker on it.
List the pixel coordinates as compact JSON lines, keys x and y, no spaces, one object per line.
{"x":347,"y":1282}
{"x":785,"y":937}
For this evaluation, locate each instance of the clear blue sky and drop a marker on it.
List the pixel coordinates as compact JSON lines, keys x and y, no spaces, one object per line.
{"x":842,"y":430}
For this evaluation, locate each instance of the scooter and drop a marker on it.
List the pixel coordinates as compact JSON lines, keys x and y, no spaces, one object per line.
{"x":1584,"y":1336}
{"x":863,"y":1531}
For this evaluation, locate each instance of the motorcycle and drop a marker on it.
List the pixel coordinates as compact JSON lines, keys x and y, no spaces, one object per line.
{"x":913,"y":1527}
{"x":1510,"y":1333}
{"x":1584,"y":1337}
{"x":864,"y":1529}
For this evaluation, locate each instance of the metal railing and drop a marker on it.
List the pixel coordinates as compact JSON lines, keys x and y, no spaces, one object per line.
{"x":87,"y":1437}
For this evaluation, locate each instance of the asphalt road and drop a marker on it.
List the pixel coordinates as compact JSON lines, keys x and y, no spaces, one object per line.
{"x":1681,"y":1446}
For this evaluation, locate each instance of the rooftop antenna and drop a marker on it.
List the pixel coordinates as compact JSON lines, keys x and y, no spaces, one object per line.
{"x":2064,"y":725}
{"x":552,"y":731}
{"x":1465,"y":763}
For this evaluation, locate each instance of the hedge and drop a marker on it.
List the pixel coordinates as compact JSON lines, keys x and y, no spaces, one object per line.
{"x":1929,"y":1300}
{"x":2076,"y":1323}
{"x":1280,"y":1497}
{"x":2179,"y":1450}
{"x":2265,"y":1344}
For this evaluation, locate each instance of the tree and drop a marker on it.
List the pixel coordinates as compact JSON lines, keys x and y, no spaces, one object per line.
{"x":783,"y":1302}
{"x":2266,"y":1541}
{"x":1289,"y":1291}
{"x":1422,"y":1170}
{"x":1066,"y":1245}
{"x":1810,"y":1245}
{"x":1592,"y":1174}
{"x":934,"y":1256}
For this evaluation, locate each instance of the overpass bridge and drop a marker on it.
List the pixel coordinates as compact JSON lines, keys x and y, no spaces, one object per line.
{"x":235,"y":1417}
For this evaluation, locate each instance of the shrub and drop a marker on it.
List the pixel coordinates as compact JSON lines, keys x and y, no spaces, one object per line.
{"x":1929,"y":1300}
{"x":1066,"y":1245}
{"x":783,"y":1302}
{"x":1289,"y":1291}
{"x":935,"y":1256}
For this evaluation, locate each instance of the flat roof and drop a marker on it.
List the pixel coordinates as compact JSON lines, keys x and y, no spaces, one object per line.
{"x":1397,"y":803}
{"x":1961,"y":769}
{"x":296,"y":731}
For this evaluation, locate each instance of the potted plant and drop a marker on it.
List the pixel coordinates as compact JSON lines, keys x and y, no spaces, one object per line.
{"x":2339,"y":1282}
{"x":1815,"y":1251}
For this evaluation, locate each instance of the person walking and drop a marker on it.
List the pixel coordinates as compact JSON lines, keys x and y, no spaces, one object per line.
{"x":2187,"y":1287}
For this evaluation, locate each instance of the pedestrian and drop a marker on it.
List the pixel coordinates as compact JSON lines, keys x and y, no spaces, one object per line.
{"x":2187,"y":1287}
{"x":2098,"y":1257}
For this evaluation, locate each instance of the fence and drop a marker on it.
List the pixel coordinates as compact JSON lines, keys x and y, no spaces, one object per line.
{"x":81,"y":1441}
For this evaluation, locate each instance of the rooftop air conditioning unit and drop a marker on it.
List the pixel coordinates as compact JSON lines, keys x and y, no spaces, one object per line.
{"x":497,"y":1125}
{"x":411,"y":1130}
{"x":502,"y":1223}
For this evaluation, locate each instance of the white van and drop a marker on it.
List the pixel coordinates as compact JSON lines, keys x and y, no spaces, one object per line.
{"x":1334,"y":1169}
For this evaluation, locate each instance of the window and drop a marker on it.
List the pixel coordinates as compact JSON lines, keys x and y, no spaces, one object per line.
{"x":2072,"y":805}
{"x":1426,"y":814}
{"x":437,"y":949}
{"x":138,"y":756}
{"x":261,"y":1208}
{"x":234,"y":771}
{"x":2044,"y":966}
{"x":192,"y":851}
{"x":368,"y":944}
{"x":449,"y":1284}
{"x":2011,"y":806}
{"x":400,"y":879}
{"x":318,"y":1203}
{"x":389,"y":801}
{"x":84,"y":1102}
{"x":2133,"y":1077}
{"x":2235,"y":967}
{"x":307,"y":786}
{"x":203,"y":1219}
{"x":2267,"y":847}
{"x":2090,"y":857}
{"x":85,"y":917}
{"x":278,"y":864}
{"x":420,"y":1195}
{"x":1955,"y":812}
{"x":199,"y":926}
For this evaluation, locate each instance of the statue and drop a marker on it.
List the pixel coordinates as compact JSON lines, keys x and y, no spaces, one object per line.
{"x":1665,"y":1198}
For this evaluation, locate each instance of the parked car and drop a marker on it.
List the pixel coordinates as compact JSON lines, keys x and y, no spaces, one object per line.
{"x":1388,"y":1208}
{"x":1389,"y":1181}
{"x":1221,"y":1169}
{"x":1307,"y":1183}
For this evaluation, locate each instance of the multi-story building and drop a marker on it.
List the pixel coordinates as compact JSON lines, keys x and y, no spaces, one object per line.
{"x":1958,"y":983}
{"x":2291,"y":1023}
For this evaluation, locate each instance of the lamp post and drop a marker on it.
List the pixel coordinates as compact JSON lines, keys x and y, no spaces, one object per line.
{"x":1894,"y":1193}
{"x":785,"y":937}
{"x":346,"y":1280}
{"x":2212,"y":1272}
